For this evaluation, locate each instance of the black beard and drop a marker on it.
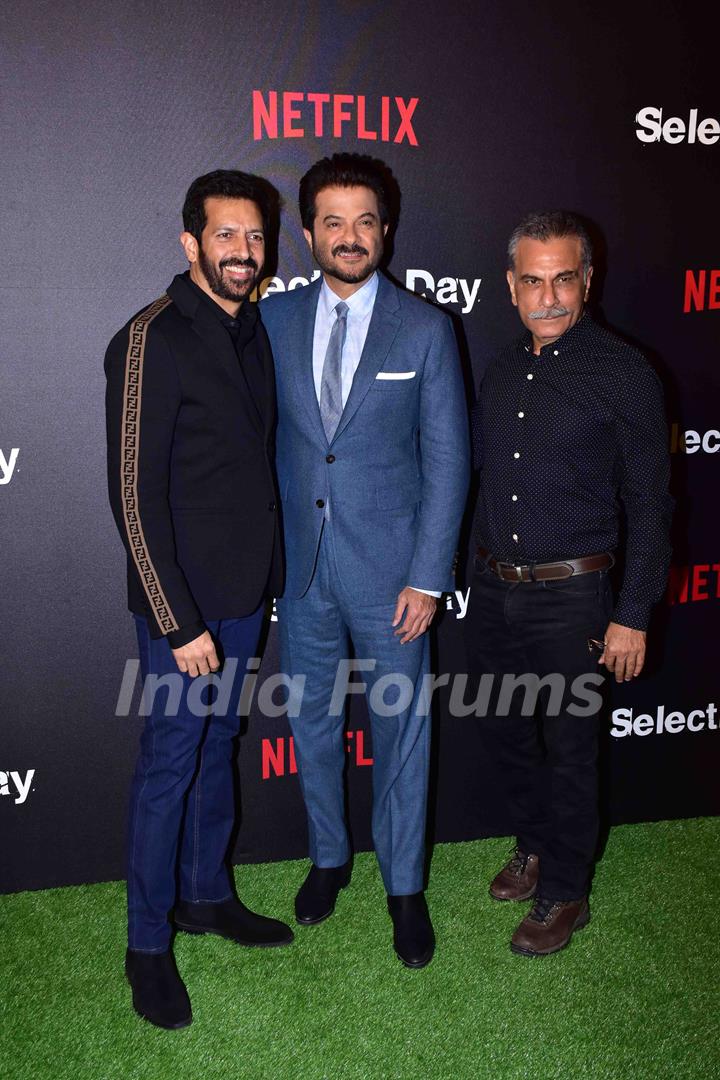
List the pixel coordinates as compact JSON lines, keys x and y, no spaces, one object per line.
{"x":228,"y":290}
{"x":350,"y":277}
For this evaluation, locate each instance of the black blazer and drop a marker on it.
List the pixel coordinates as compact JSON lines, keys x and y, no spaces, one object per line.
{"x":191,"y":465}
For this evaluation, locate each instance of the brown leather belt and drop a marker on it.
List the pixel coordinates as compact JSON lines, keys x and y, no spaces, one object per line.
{"x":548,"y":571}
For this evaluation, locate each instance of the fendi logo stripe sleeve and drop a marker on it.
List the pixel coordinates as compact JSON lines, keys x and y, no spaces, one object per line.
{"x":130,"y":432}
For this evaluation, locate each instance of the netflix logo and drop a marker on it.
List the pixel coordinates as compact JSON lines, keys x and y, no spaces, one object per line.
{"x":689,"y":584}
{"x":278,"y":755}
{"x":290,"y":114}
{"x":702,"y":290}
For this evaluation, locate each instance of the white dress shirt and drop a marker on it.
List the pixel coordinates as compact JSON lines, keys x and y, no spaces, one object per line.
{"x":360,"y":307}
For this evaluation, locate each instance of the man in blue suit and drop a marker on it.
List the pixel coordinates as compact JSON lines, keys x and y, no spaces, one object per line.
{"x":373,"y":471}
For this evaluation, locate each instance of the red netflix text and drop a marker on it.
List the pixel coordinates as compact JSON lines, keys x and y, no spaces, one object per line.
{"x":293,"y":115}
{"x":278,"y":755}
{"x":702,"y":290}
{"x":688,"y":584}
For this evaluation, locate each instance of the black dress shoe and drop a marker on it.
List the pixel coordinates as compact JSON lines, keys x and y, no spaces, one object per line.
{"x":413,"y":935}
{"x":316,"y":898}
{"x":231,"y":919}
{"x":158,"y":992}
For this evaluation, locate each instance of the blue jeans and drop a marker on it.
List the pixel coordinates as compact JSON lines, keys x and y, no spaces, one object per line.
{"x":182,"y":804}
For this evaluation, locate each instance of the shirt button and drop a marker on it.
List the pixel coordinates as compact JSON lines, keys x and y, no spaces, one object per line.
{"x":330,"y":458}
{"x":515,"y":536}
{"x":556,"y":353}
{"x":516,"y":454}
{"x":521,"y":414}
{"x":514,"y":498}
{"x":530,"y":375}
{"x":320,"y":503}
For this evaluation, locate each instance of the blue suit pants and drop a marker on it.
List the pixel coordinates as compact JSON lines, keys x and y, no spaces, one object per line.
{"x":315,"y":632}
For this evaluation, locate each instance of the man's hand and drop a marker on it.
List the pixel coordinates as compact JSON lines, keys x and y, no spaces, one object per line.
{"x":624,"y":651}
{"x":418,"y":608}
{"x":198,"y":657}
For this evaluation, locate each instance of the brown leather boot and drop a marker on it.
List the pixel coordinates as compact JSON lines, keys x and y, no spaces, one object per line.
{"x":518,"y":878}
{"x":549,"y":926}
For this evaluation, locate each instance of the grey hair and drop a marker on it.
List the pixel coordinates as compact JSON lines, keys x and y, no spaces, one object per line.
{"x":551,"y":225}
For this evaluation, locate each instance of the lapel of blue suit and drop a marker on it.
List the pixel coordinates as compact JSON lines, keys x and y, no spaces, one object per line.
{"x":300,"y":332}
{"x":384,"y":324}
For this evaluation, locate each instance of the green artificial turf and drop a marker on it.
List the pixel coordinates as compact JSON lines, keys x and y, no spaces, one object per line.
{"x":634,"y":996}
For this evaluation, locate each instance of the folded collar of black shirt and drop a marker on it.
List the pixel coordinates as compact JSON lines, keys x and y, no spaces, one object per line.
{"x":241,"y":327}
{"x":573,"y":336}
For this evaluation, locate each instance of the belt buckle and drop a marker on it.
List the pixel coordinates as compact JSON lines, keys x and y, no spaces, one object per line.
{"x":518,"y":571}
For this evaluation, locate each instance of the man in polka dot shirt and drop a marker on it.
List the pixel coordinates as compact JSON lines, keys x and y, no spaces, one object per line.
{"x":568,"y":426}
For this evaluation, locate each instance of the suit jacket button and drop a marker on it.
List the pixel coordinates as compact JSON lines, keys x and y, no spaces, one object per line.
{"x":330,"y":458}
{"x":272,"y":506}
{"x":320,"y":503}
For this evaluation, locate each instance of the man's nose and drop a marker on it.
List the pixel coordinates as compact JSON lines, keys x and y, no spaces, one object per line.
{"x":242,"y":248}
{"x":549,"y":298}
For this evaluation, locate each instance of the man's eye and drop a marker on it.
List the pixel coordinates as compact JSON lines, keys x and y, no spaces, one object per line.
{"x":224,"y":235}
{"x":255,"y":238}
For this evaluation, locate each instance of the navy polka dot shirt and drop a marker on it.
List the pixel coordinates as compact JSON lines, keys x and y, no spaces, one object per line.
{"x":562,"y":441}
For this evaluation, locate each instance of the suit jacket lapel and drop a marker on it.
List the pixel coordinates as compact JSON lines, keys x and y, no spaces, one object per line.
{"x":253,"y":368}
{"x":216,"y":338}
{"x":384,"y":324}
{"x":265,"y":359}
{"x":300,"y":334}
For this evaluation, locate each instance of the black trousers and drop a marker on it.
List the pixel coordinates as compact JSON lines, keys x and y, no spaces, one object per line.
{"x":545,"y":756}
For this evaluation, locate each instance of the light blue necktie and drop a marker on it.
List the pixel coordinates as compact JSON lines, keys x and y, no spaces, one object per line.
{"x":331,"y":406}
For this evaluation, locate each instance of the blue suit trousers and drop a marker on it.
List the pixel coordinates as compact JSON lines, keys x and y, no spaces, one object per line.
{"x":315,"y":631}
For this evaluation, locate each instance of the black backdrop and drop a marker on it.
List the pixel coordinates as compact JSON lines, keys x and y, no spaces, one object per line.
{"x":108,"y":112}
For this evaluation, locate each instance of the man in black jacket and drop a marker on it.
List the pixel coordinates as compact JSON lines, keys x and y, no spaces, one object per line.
{"x":190,"y":424}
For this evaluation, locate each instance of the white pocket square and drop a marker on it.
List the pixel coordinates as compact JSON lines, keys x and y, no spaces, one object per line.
{"x":395,"y":375}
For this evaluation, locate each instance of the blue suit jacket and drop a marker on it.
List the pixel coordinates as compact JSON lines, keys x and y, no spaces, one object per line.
{"x":397,"y":470}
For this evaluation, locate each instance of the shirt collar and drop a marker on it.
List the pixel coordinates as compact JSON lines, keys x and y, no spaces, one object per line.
{"x":570,"y":337}
{"x":360,"y":303}
{"x":246,"y":316}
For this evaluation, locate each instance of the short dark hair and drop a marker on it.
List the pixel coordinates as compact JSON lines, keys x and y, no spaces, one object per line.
{"x":547,"y":225}
{"x":345,"y":170}
{"x":223,"y":184}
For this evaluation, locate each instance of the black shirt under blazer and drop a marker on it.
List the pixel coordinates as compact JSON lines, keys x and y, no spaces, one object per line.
{"x":191,"y":464}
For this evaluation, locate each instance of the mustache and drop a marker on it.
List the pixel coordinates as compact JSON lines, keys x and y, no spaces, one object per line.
{"x":549,"y":313}
{"x":352,"y":249}
{"x":239,"y":262}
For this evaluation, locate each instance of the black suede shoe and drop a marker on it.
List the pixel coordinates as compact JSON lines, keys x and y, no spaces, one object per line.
{"x":158,"y":992}
{"x":413,"y":936}
{"x":316,"y":898}
{"x":231,"y":919}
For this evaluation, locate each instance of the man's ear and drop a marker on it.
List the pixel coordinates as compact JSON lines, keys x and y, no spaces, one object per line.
{"x":309,"y":237}
{"x":511,"y":284}
{"x":385,"y":229}
{"x":588,"y":276}
{"x":190,"y":246}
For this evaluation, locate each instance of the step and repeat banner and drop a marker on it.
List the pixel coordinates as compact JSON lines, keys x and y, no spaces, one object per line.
{"x":483,"y":113}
